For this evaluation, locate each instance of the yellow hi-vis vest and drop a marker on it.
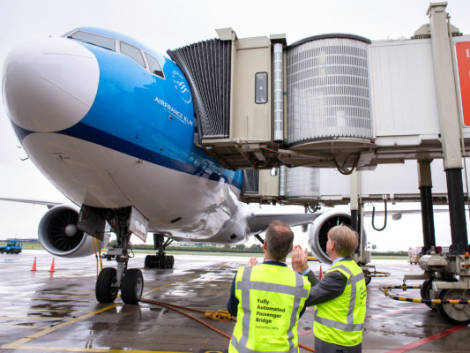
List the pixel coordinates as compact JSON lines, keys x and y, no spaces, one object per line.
{"x":271,"y":298}
{"x":341,"y":320}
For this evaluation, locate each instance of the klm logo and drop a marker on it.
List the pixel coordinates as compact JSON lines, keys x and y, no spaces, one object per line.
{"x":179,"y":83}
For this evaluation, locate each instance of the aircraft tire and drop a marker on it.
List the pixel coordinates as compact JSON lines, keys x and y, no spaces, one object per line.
{"x":104,"y":290}
{"x":132,"y":285}
{"x":172,"y":261}
{"x":161,"y":261}
{"x":167,"y":261}
{"x":455,"y":313}
{"x":149,"y":261}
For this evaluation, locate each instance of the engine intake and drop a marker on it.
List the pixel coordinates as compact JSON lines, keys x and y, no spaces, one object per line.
{"x":318,"y":234}
{"x":60,"y":236}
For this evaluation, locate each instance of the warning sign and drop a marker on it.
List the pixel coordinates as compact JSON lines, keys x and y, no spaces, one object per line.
{"x":463,"y":62}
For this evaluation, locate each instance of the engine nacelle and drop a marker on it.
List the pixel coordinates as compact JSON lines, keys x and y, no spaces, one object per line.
{"x":318,"y":233}
{"x":60,"y":236}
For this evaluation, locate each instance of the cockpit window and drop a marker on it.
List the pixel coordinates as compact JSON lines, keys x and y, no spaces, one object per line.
{"x":133,"y":53}
{"x":154,"y":65}
{"x":103,"y":42}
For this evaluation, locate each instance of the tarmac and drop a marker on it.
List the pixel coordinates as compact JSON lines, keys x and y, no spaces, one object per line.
{"x":45,"y":311}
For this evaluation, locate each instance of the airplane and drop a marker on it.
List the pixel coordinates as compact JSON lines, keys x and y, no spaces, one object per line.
{"x":110,"y":123}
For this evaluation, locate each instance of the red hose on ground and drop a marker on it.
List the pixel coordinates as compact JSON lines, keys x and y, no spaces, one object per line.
{"x":177,"y":308}
{"x":174,"y":308}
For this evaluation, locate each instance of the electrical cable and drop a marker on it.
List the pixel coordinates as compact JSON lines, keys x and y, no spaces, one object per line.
{"x":342,"y":169}
{"x":96,"y":254}
{"x":385,"y":217}
{"x":99,"y":254}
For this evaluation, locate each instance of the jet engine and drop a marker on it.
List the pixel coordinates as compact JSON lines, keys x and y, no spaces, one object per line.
{"x":60,"y":236}
{"x":319,"y":230}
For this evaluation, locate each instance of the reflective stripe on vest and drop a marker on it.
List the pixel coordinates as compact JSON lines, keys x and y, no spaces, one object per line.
{"x":349,"y":326}
{"x":245,"y":285}
{"x":243,"y":349}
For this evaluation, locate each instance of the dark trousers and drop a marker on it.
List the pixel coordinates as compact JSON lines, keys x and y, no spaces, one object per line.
{"x":325,"y":347}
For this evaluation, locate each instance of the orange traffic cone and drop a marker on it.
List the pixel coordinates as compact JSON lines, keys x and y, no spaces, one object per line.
{"x":320,"y":275}
{"x":52,"y":269}
{"x":34,"y":265}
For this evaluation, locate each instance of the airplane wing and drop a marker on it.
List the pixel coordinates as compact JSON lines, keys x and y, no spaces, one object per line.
{"x":49,"y":204}
{"x":259,"y":222}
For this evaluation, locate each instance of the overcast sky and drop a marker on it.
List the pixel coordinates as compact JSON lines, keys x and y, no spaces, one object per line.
{"x":169,"y":24}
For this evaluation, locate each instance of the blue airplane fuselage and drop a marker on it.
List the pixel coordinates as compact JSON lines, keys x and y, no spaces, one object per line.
{"x":109,"y":133}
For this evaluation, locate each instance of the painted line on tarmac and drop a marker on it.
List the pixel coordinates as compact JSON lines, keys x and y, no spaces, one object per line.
{"x":302,"y":333}
{"x":18,"y":343}
{"x":410,"y":346}
{"x":104,"y":350}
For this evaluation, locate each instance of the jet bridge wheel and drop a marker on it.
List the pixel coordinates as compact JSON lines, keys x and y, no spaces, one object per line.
{"x":455,"y":313}
{"x":132,"y":285}
{"x":367,"y":276}
{"x":427,"y":293}
{"x":105,"y":289}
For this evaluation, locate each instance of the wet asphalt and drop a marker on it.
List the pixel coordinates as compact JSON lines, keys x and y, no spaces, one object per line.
{"x":45,"y":311}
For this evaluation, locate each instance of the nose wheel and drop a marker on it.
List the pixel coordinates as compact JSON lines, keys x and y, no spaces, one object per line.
{"x":427,"y":293}
{"x":110,"y":280}
{"x":106,"y":288}
{"x":131,"y":286}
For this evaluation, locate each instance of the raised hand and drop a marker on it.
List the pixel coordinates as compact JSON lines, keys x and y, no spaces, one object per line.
{"x":299,"y":259}
{"x":252,"y":261}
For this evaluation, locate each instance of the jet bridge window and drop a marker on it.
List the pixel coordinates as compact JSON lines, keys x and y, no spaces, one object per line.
{"x":132,"y":52}
{"x":154,"y":65}
{"x":103,"y":42}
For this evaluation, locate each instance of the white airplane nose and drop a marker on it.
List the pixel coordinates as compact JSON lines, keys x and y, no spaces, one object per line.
{"x":50,"y":84}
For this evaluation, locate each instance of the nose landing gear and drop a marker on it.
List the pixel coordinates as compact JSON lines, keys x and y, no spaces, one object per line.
{"x":110,"y":280}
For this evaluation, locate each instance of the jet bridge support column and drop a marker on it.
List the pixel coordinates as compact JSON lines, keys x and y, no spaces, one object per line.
{"x":354,"y":203}
{"x":356,"y":216}
{"x":449,"y":122}
{"x":427,"y":215}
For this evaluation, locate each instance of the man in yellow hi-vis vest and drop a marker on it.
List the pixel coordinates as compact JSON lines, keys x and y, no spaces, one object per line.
{"x":268,"y":299}
{"x":340,"y":297}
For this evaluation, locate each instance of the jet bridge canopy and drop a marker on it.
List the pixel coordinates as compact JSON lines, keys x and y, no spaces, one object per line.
{"x":335,"y":100}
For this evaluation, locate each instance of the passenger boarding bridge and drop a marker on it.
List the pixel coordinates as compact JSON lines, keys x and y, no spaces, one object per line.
{"x":336,"y":101}
{"x":347,"y":103}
